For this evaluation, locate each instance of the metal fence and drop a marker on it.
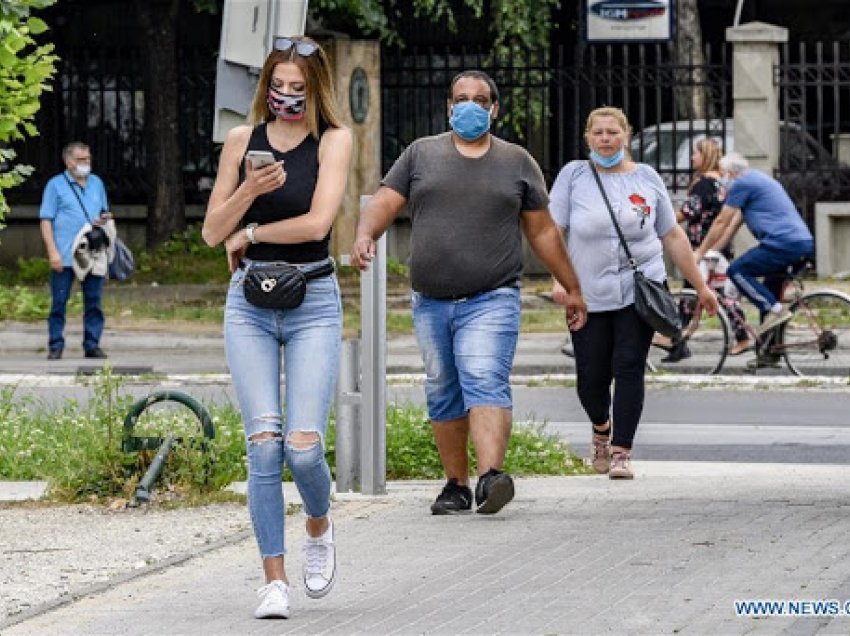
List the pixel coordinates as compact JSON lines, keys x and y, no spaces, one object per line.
{"x":670,"y":99}
{"x":814,"y":97}
{"x":415,"y":90}
{"x":98,"y":97}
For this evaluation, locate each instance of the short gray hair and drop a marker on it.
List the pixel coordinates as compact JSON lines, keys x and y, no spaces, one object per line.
{"x":734,"y":163}
{"x":68,"y":150}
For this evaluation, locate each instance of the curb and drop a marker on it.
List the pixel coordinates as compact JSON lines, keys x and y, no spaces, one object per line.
{"x":742,"y":382}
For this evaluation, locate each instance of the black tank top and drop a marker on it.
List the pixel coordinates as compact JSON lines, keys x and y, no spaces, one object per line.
{"x":292,"y":199}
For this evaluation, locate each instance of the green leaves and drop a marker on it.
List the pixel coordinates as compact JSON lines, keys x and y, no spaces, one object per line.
{"x":37,"y":26}
{"x":25,"y":69}
{"x":76,"y":445}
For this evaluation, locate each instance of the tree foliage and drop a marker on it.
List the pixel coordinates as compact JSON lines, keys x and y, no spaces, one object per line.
{"x":515,"y":23}
{"x":25,"y":69}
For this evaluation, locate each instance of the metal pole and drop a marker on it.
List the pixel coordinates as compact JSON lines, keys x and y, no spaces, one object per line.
{"x":737,"y":19}
{"x":373,"y":326}
{"x":348,"y":419}
{"x":143,"y":490}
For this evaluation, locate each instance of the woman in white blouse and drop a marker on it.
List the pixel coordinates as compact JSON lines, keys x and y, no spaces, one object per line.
{"x":614,"y":344}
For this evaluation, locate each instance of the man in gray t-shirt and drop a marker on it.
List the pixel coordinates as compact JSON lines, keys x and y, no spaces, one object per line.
{"x":471,"y":196}
{"x":466,"y":213}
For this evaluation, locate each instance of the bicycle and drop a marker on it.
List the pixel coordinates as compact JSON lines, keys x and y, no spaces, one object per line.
{"x":815,"y":341}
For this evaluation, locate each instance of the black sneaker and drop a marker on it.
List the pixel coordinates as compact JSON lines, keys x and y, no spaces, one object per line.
{"x":494,"y":490}
{"x":453,"y":500}
{"x":54,"y":354}
{"x":679,"y":351}
{"x":97,"y":352}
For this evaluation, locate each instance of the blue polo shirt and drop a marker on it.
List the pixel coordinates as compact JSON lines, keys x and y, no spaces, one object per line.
{"x":769,"y":212}
{"x":58,"y":204}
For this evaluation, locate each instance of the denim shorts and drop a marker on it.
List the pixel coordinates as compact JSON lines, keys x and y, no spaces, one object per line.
{"x":468,"y":348}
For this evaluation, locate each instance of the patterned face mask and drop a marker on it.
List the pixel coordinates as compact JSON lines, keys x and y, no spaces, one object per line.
{"x":287,"y":106}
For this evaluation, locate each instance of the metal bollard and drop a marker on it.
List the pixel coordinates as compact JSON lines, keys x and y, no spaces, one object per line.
{"x":348,"y":419}
{"x":373,"y":379}
{"x":143,"y":490}
{"x":361,"y":400}
{"x":131,"y":443}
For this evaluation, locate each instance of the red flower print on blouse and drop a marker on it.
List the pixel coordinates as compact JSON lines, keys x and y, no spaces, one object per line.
{"x":640,"y":207}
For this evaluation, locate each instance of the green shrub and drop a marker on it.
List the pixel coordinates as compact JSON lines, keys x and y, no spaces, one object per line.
{"x":33,"y":271}
{"x":20,"y":303}
{"x":77,"y":448}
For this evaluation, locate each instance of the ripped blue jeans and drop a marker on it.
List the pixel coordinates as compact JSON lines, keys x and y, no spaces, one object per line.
{"x":310,"y":336}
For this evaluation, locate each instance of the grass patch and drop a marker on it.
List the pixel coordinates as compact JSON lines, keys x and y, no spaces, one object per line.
{"x":76,"y":447}
{"x":411,"y":453}
{"x":543,"y":320}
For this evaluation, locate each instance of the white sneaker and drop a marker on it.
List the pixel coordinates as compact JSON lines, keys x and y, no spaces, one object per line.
{"x":320,"y":564}
{"x":275,"y":603}
{"x":773,"y":320}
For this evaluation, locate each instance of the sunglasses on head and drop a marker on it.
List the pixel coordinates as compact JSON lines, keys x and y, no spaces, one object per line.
{"x":304,"y":49}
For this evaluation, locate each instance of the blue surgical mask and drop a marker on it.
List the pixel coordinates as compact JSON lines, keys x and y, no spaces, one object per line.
{"x":607,"y":162}
{"x":469,"y":120}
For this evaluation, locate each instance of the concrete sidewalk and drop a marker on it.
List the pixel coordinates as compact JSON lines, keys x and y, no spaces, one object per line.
{"x":670,"y":552}
{"x":23,"y":349}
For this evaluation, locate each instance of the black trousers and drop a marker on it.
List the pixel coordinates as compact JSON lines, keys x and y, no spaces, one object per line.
{"x":613,"y":346}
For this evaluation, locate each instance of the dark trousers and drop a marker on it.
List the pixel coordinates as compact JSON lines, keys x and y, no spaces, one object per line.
{"x":770,"y":262}
{"x":60,"y":291}
{"x":613,"y":346}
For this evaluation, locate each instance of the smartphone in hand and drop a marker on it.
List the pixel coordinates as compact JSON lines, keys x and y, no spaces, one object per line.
{"x":259,"y":158}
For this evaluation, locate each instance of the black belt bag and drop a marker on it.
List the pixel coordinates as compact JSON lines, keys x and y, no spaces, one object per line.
{"x":280,"y":285}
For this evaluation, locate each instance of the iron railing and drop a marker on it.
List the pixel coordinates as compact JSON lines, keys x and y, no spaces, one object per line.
{"x":814,"y":98}
{"x":545,"y":99}
{"x":98,"y":97}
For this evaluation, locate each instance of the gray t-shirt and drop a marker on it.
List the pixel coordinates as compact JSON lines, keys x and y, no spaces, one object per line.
{"x":465,"y":213}
{"x":644,"y":212}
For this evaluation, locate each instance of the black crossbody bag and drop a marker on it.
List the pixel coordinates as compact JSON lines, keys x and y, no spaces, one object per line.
{"x":279,"y":285}
{"x":653,"y":301}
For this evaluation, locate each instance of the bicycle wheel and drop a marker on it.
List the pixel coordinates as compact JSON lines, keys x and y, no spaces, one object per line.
{"x":816,"y":341}
{"x":706,"y":340}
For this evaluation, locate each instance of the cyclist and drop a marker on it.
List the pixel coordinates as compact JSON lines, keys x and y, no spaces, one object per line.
{"x":783,"y":239}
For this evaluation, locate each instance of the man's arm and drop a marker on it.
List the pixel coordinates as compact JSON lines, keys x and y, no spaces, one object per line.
{"x":722,"y":229}
{"x":730,"y":231}
{"x":548,"y":244}
{"x":53,"y":254}
{"x":47,"y":212}
{"x":375,"y":218}
{"x":678,"y":246}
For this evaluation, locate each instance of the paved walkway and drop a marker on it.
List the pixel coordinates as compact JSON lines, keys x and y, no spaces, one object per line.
{"x":23,"y":350}
{"x":670,"y":552}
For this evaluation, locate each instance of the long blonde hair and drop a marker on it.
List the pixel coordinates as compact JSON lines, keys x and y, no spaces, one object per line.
{"x":321,"y":102}
{"x":711,"y":152}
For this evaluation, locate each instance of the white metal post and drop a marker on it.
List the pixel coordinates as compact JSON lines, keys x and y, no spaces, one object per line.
{"x":373,"y":378}
{"x":348,"y":403}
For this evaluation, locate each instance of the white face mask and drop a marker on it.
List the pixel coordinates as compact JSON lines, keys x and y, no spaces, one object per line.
{"x":82,"y":170}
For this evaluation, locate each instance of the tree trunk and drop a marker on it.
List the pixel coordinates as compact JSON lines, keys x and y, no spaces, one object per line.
{"x":691,"y":99}
{"x":166,"y":210}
